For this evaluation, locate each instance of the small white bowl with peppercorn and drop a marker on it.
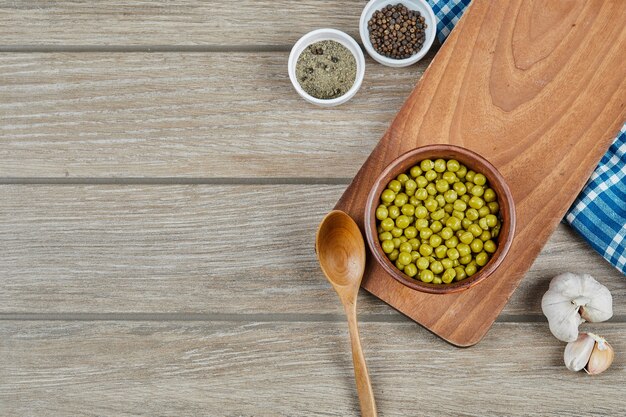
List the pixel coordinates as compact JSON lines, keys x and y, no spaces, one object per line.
{"x":326,"y":67}
{"x":397,"y":33}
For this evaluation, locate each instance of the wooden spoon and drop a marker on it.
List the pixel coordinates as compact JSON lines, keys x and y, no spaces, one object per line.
{"x":341,"y":252}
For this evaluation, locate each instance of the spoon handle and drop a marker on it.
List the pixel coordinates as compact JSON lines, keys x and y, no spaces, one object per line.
{"x":363,"y":384}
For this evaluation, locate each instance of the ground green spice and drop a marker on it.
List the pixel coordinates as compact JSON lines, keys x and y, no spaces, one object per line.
{"x":326,"y":69}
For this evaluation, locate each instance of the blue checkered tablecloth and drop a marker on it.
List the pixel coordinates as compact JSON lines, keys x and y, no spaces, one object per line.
{"x":599,"y":212}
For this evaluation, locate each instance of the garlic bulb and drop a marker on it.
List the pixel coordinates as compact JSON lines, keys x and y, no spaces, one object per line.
{"x":589,"y":352}
{"x":573,"y":299}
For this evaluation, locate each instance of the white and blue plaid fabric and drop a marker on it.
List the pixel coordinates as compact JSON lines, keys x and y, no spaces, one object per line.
{"x":599,"y":212}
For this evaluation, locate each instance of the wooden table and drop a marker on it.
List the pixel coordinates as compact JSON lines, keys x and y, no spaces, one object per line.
{"x":161,"y":183}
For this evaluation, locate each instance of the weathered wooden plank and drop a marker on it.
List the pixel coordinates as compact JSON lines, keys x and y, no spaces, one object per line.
{"x":292,"y":369}
{"x":162,"y":22}
{"x":183,"y":115}
{"x":200,"y":249}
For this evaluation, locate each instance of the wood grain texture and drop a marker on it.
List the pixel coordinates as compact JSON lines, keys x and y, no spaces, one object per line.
{"x":528,"y":86}
{"x":202,"y":249}
{"x":292,"y":369}
{"x":162,"y":22}
{"x":183,"y":115}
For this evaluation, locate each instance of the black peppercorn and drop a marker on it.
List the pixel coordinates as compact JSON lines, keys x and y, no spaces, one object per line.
{"x":397,"y":32}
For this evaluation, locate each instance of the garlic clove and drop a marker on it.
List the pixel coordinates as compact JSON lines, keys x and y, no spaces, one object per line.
{"x":563,"y":317}
{"x":577,"y":353}
{"x":601,"y":357}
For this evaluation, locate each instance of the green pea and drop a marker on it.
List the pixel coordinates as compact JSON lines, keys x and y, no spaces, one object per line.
{"x":394,"y":212}
{"x":489,"y":195}
{"x":436,"y":226}
{"x":482,"y":258}
{"x":454,"y":223}
{"x":425,"y":249}
{"x":495,"y":232}
{"x":447,"y":263}
{"x":422,"y":263}
{"x":440,"y":165}
{"x":472,"y":214}
{"x":475,"y":230}
{"x":484,"y":211}
{"x":435,"y":240}
{"x":410,"y":186}
{"x":410,"y":232}
{"x":450,"y":196}
{"x":485,"y":236}
{"x":440,"y":200}
{"x":415,"y":255}
{"x":415,"y":171}
{"x":467,"y":237}
{"x":459,"y":205}
{"x":421,"y":223}
{"x":436,"y":267}
{"x":448,"y":208}
{"x":465,"y":223}
{"x":395,"y":186}
{"x":464,"y":260}
{"x":446,"y":233}
{"x":382,"y":213}
{"x":385,"y":236}
{"x":460,"y":273}
{"x":437,"y":281}
{"x":477,"y":191}
{"x":415,"y":244}
{"x":430,"y":175}
{"x":420,"y":212}
{"x":470,"y":269}
{"x":379,"y":229}
{"x":476,"y":202}
{"x":403,"y":239}
{"x":453,"y":165}
{"x":426,"y":275}
{"x":387,"y":224}
{"x":446,"y":217}
{"x":480,"y":179}
{"x":414,"y":201}
{"x":388,"y":196}
{"x":483,"y":224}
{"x":463,"y":249}
{"x":403,"y":222}
{"x":453,"y":253}
{"x":421,"y":194}
{"x":449,"y":177}
{"x":440,"y":251}
{"x":491,"y":220}
{"x":404,"y":258}
{"x":410,"y":270}
{"x":437,"y":214}
{"x":408,"y":209}
{"x":387,"y":246}
{"x":494,"y":207}
{"x":403,"y":178}
{"x":401,"y":199}
{"x":431,"y":204}
{"x":427,"y":165}
{"x":393,"y":256}
{"x":448,"y":276}
{"x":396,"y":232}
{"x":442,"y":186}
{"x":431,"y":190}
{"x":470,"y":176}
{"x":459,"y":215}
{"x":476,"y":246}
{"x":465,"y":198}
{"x":421,"y":181}
{"x":462,"y":171}
{"x":425,"y":233}
{"x":399,"y":264}
{"x":453,"y":242}
{"x":489,"y":246}
{"x":405,"y":247}
{"x":460,"y":188}
{"x":396,"y":242}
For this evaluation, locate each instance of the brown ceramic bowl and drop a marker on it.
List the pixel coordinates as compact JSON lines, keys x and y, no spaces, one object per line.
{"x":474,"y":162}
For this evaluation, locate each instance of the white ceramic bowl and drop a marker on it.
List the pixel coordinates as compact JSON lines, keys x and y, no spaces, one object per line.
{"x":417,"y":5}
{"x":323,"y":35}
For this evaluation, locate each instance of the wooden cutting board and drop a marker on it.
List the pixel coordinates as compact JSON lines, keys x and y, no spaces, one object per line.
{"x":539,"y":89}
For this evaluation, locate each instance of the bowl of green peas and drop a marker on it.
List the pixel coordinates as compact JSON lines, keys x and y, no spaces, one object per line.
{"x":440,"y":219}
